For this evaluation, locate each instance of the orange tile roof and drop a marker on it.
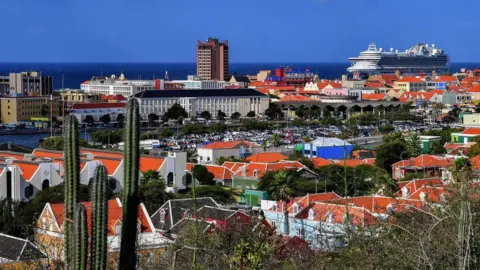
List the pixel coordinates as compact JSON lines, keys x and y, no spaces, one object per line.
{"x":220,"y":173}
{"x":324,"y":84}
{"x":474,"y":89}
{"x":86,"y":82}
{"x":432,"y":194}
{"x":114,"y":215}
{"x":27,"y":168}
{"x":233,"y":166}
{"x":355,"y":162}
{"x":266,"y":157}
{"x":413,"y":185}
{"x":374,"y":84}
{"x":306,"y":200}
{"x":229,"y":145}
{"x":377,"y":204}
{"x":416,"y":95}
{"x":452,"y":146}
{"x":97,"y":152}
{"x":9,"y":154}
{"x":261,"y":168}
{"x":359,"y":216}
{"x":150,"y":163}
{"x":257,"y":83}
{"x":410,"y":79}
{"x":425,"y":161}
{"x":448,"y":78}
{"x":110,"y":163}
{"x":320,"y":162}
{"x":471,"y":131}
{"x":475,"y":161}
{"x":44,"y":153}
{"x":294,"y":98}
{"x":389,"y":78}
{"x":374,"y":96}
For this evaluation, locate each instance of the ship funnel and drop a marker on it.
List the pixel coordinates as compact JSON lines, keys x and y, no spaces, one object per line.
{"x":391,"y":49}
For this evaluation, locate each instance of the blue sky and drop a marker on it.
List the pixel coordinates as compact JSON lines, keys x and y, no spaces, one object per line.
{"x":257,"y":30}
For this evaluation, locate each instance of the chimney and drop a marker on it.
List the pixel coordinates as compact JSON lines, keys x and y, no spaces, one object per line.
{"x":405,"y":193}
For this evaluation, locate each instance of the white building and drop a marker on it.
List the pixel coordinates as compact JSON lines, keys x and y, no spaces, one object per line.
{"x":194,"y":83}
{"x":119,"y":86}
{"x":210,"y":153}
{"x":97,"y":110}
{"x":197,"y":101}
{"x":358,"y":92}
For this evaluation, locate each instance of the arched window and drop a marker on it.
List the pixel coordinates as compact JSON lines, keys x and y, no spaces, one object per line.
{"x":112,"y":183}
{"x":28,"y":191}
{"x":45,"y":184}
{"x":170,"y":179}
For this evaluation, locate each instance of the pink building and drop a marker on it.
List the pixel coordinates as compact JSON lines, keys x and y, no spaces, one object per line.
{"x":335,"y":91}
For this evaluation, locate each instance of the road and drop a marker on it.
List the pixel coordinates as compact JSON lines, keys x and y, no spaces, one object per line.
{"x":367,"y":141}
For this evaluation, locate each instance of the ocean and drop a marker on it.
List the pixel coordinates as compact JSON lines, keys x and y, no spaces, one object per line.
{"x":76,"y":73}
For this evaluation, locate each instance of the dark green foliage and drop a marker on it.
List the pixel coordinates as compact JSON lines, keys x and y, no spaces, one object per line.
{"x":57,"y":143}
{"x":45,"y":110}
{"x":218,"y":193}
{"x":152,"y":194}
{"x":120,"y":120}
{"x":274,"y":112}
{"x":105,"y":137}
{"x":98,"y":251}
{"x":80,"y":239}
{"x":89,"y":120}
{"x":412,"y":176}
{"x":218,"y":128}
{"x":437,"y":148}
{"x":206,"y":115}
{"x":175,"y":112}
{"x":251,"y":114}
{"x":202,"y":174}
{"x":235,"y":115}
{"x":389,"y":153}
{"x":128,"y":255}
{"x":392,"y":137}
{"x":72,"y":180}
{"x":152,"y":119}
{"x":222,"y":160}
{"x":105,"y":119}
{"x":386,"y":129}
{"x":221,"y":115}
{"x":249,"y":124}
{"x":194,"y":129}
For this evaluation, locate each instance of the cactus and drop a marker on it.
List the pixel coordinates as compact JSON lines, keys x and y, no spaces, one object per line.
{"x":80,"y":239}
{"x":98,"y":248}
{"x":128,"y":256}
{"x":72,"y":181}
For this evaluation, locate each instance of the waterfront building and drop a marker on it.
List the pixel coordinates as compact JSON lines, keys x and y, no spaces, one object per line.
{"x":195,"y":83}
{"x":30,"y":84}
{"x":195,"y":102}
{"x":410,"y":84}
{"x":80,"y":96}
{"x":97,"y":110}
{"x":212,"y":60}
{"x":119,"y":86}
{"x":20,"y":109}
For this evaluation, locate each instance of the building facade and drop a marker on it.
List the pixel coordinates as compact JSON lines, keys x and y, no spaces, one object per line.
{"x":212,"y":60}
{"x":79,"y":96}
{"x":119,"y":86}
{"x":97,"y":110}
{"x":30,"y":84}
{"x":19,"y":109}
{"x":197,"y":101}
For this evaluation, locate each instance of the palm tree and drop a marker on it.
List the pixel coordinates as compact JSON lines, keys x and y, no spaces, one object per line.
{"x":424,"y":107}
{"x":414,"y":145}
{"x":264,"y":145}
{"x":283,"y":190}
{"x":276,"y":139}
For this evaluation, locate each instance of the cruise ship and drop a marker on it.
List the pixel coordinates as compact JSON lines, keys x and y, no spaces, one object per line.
{"x":420,"y":58}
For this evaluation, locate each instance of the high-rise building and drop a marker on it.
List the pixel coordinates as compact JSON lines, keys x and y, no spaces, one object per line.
{"x":30,"y":84}
{"x":212,"y":60}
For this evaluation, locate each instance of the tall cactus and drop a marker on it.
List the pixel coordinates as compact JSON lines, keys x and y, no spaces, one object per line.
{"x":80,"y":239}
{"x":98,"y":248}
{"x":72,"y":181}
{"x":128,"y":256}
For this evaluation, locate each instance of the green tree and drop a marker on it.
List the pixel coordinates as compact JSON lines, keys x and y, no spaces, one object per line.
{"x":175,"y":112}
{"x":45,"y":110}
{"x":219,"y":194}
{"x":437,"y":148}
{"x":89,"y":120}
{"x":106,"y":137}
{"x":56,"y":143}
{"x":120,"y":119}
{"x":152,"y":192}
{"x":396,"y":136}
{"x":274,"y":112}
{"x":221,"y":115}
{"x":474,"y":150}
{"x":222,"y":160}
{"x":251,"y":114}
{"x":152,"y":119}
{"x":265,"y":145}
{"x":105,"y":119}
{"x":165,"y":133}
{"x":202,"y":174}
{"x":414,"y":145}
{"x":150,"y":175}
{"x":235,"y":116}
{"x":206,"y":115}
{"x":276,"y":139}
{"x":283,"y":190}
{"x":389,"y":153}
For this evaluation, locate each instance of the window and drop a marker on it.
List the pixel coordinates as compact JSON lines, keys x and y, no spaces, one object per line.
{"x":170,"y":179}
{"x":118,"y":229}
{"x":299,"y":232}
{"x":45,"y":184}
{"x":311,"y":214}
{"x":329,"y":217}
{"x":9,"y":184}
{"x":295,"y":209}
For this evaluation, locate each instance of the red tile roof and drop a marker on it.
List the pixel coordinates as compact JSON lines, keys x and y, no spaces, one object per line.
{"x":414,"y":185}
{"x":359,"y":216}
{"x":266,"y":157}
{"x":150,"y":163}
{"x":304,"y":201}
{"x":258,"y":169}
{"x":82,"y":106}
{"x":474,"y":89}
{"x":475,"y":161}
{"x":44,"y":153}
{"x":110,"y":163}
{"x":117,"y":97}
{"x":471,"y":131}
{"x":407,"y":96}
{"x":324,"y":84}
{"x":320,"y":162}
{"x":425,"y":161}
{"x":229,"y":145}
{"x":96,"y":152}
{"x":374,"y":96}
{"x":114,"y":215}
{"x":8,"y":154}
{"x":294,"y":98}
{"x":355,"y":162}
{"x":377,"y":204}
{"x":432,"y":194}
{"x":409,"y":79}
{"x":220,"y":173}
{"x":448,"y":78}
{"x":28,"y":168}
{"x":389,"y":78}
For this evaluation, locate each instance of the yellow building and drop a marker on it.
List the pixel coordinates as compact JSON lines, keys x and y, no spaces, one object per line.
{"x":410,"y":84}
{"x":471,"y":119}
{"x":15,"y":109}
{"x":79,"y":96}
